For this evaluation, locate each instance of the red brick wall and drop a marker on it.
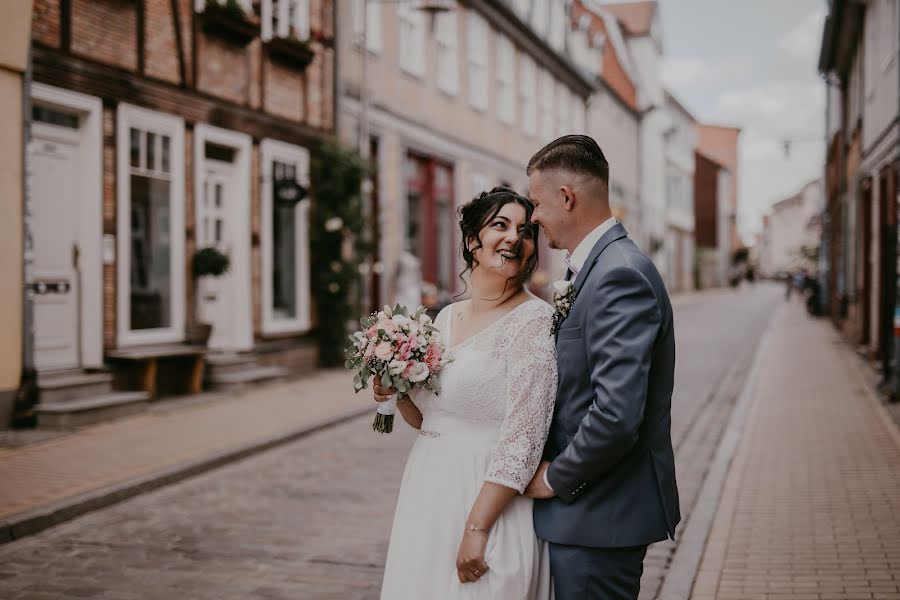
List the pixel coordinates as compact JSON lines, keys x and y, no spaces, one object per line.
{"x":611,"y":70}
{"x":45,"y":22}
{"x":706,"y":174}
{"x":285,"y":91}
{"x":160,"y":48}
{"x":224,"y":69}
{"x":106,"y":31}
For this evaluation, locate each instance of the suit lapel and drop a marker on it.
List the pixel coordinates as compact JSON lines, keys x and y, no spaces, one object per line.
{"x":616,"y":232}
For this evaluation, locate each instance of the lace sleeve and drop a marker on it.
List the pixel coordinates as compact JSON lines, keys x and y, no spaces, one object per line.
{"x":531,"y":394}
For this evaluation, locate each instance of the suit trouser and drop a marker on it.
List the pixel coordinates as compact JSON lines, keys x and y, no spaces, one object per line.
{"x":581,"y":573}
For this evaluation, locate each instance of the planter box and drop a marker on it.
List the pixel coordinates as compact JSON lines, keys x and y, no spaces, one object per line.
{"x":290,"y":52}
{"x":228,"y":25}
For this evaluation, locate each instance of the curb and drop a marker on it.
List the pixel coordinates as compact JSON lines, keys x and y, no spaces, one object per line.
{"x":682,"y":570}
{"x":19,"y":525}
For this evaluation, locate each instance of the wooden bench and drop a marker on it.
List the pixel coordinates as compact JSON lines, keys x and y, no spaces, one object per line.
{"x":139,"y":368}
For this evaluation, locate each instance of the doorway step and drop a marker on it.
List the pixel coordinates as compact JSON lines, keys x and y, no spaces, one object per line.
{"x":75,"y":397}
{"x":228,"y":371}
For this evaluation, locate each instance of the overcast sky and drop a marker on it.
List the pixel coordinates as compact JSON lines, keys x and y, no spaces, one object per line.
{"x":753,"y":65}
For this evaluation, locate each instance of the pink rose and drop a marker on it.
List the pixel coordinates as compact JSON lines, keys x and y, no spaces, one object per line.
{"x":433,"y":357}
{"x":384,"y":351}
{"x":405,"y":351}
{"x":372,"y":332}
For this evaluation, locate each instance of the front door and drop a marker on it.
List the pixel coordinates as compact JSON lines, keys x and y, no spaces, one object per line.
{"x":215,"y":229}
{"x":55,"y":202}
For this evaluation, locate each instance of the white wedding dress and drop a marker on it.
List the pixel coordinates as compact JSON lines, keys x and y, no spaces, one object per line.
{"x":489,"y":423}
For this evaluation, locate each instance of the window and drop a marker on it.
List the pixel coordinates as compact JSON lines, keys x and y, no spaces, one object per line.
{"x":477,"y":36}
{"x":563,"y":108}
{"x":506,"y":91}
{"x":412,"y":40}
{"x":578,"y":114}
{"x":285,"y":240}
{"x":545,"y":105}
{"x":372,"y":24}
{"x":557,"y":34}
{"x":447,"y":52}
{"x":285,"y":19}
{"x":528,"y":94}
{"x":150,"y":226}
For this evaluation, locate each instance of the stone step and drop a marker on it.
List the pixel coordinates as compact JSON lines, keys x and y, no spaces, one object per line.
{"x":65,"y":386}
{"x":249,"y":376}
{"x":221,"y":363}
{"x":75,"y":413}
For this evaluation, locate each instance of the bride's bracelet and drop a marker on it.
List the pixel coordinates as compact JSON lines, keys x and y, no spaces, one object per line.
{"x":476,"y":529}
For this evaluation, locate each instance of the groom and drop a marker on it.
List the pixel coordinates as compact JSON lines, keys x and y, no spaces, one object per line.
{"x":606,"y":488}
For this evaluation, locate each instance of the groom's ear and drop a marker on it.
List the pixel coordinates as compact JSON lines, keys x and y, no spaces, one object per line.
{"x":568,"y":197}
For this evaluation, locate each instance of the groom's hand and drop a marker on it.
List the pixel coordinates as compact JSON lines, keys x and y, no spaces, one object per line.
{"x":538,"y":487}
{"x":382,"y":393}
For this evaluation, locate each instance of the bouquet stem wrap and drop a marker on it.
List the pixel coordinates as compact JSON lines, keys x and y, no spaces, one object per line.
{"x":384,"y":416}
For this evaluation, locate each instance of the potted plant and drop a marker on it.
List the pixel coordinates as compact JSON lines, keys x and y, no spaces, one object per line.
{"x":291,"y":50}
{"x":227,"y":19}
{"x":206,"y":262}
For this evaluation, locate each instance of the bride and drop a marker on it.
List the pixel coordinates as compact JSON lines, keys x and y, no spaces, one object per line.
{"x":462,"y":528}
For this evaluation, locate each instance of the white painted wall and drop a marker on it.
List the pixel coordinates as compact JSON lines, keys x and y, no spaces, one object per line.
{"x":881,"y":39}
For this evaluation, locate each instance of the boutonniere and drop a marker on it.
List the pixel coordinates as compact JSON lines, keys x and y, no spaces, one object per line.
{"x":563,"y":299}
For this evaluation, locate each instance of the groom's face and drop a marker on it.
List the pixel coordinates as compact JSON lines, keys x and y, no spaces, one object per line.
{"x":549,"y":206}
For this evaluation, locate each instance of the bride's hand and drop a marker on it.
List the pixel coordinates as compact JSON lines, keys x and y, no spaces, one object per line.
{"x":470,"y":565}
{"x":383,"y":394}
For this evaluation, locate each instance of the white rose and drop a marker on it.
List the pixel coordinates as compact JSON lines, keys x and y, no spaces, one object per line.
{"x":395,"y":367}
{"x":562,"y":287}
{"x":419,"y":372}
{"x":383,"y":351}
{"x":400,"y":320}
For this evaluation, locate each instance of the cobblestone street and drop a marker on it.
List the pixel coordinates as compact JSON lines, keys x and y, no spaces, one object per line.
{"x":311,"y":519}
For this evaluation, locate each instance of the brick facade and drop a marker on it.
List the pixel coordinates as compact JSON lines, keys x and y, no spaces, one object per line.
{"x":105,"y":31}
{"x":122,"y":55}
{"x":45,"y":22}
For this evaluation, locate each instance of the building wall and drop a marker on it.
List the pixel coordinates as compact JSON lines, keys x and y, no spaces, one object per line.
{"x":203,"y":80}
{"x":705,"y":201}
{"x":721,"y":144}
{"x":880,"y":55}
{"x":616,"y":129}
{"x":412,"y":114}
{"x":14,"y":31}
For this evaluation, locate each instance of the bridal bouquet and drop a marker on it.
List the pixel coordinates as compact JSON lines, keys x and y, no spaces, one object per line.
{"x":402,"y":350}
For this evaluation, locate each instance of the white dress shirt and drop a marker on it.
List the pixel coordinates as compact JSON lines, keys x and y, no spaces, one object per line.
{"x":575,"y":261}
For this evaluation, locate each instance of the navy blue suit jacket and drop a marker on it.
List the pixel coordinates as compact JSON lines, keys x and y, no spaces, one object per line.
{"x":610,"y":443}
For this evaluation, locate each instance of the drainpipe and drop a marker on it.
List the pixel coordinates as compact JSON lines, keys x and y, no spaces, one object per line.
{"x":27,"y":394}
{"x":895,"y":362}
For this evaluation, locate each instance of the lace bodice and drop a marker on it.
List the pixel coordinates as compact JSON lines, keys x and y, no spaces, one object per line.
{"x":506,"y":376}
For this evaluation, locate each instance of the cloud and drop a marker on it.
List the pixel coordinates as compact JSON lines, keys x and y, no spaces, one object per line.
{"x":687,"y":72}
{"x":801,"y":42}
{"x":788,"y":110}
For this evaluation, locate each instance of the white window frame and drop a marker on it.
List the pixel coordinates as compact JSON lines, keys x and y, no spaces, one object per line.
{"x":546,"y":93}
{"x":372,"y":24}
{"x":477,"y":38}
{"x":300,"y":22}
{"x":506,"y":80}
{"x":579,"y":113}
{"x":447,"y":52}
{"x":528,"y":94}
{"x":129,"y":116}
{"x":411,"y":40}
{"x":270,"y":151}
{"x":563,"y":106}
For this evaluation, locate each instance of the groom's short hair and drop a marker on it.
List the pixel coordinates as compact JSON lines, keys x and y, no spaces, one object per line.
{"x":577,"y":153}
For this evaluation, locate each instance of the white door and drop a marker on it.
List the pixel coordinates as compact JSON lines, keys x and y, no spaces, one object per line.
{"x":55,"y":204}
{"x":216,"y":229}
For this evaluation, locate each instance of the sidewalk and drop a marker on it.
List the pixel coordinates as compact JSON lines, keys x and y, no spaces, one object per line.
{"x":811,"y":503}
{"x":53,"y":481}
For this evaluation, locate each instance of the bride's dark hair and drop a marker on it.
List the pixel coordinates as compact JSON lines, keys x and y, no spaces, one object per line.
{"x":475,"y":215}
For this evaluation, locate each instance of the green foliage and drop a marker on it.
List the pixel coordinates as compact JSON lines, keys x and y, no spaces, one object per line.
{"x":740,"y":255}
{"x":336,"y":215}
{"x":209,"y":261}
